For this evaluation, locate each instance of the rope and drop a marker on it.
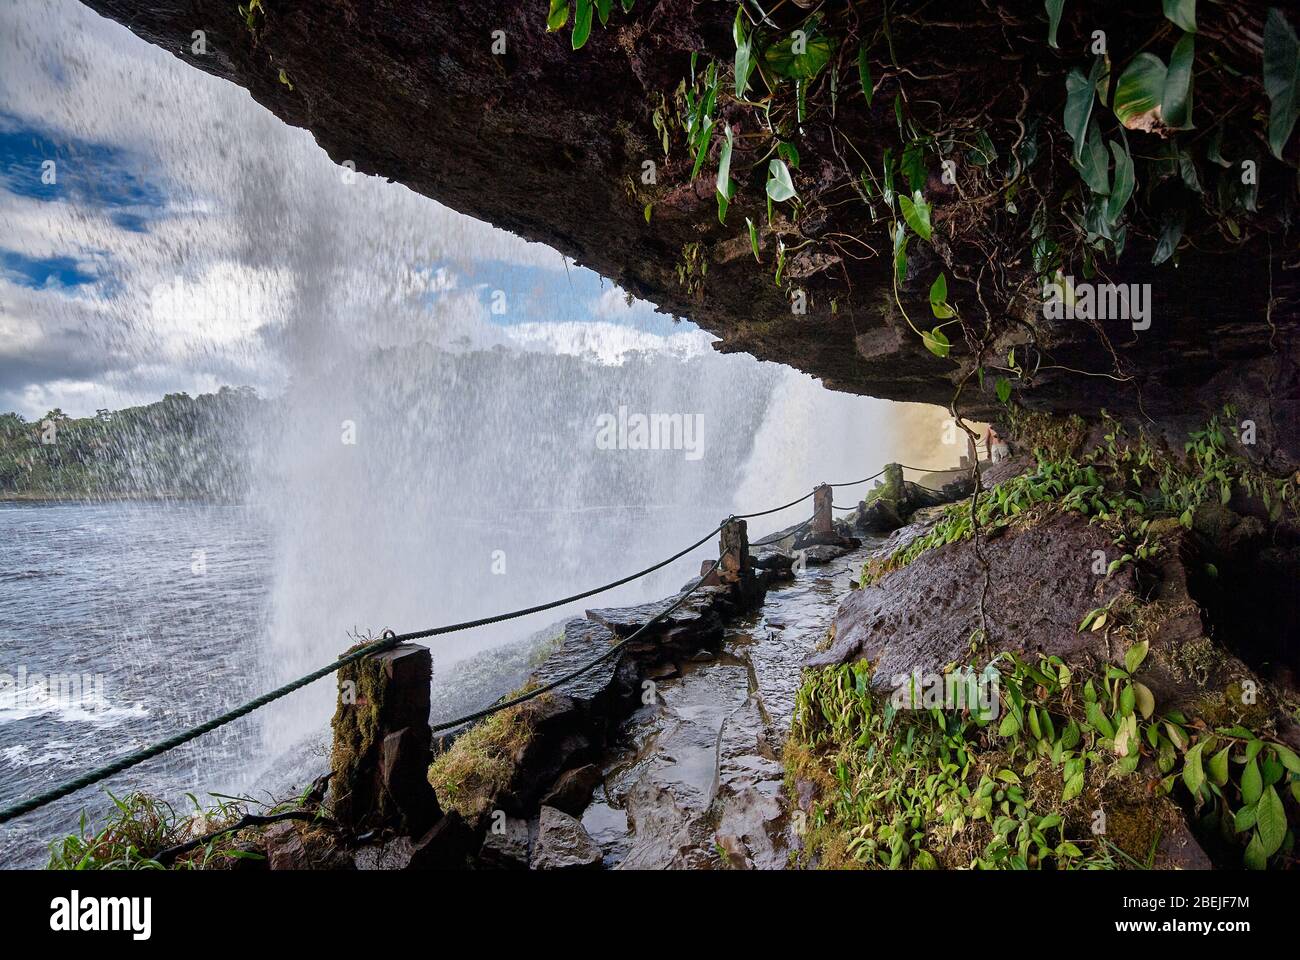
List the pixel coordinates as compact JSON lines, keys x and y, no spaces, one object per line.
{"x":497,"y":708}
{"x":387,"y":641}
{"x":390,"y":640}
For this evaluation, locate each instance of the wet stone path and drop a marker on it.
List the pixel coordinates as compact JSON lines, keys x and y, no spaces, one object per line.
{"x":695,"y":778}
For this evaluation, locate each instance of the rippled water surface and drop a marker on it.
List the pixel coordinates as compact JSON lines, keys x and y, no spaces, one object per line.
{"x":153,"y":612}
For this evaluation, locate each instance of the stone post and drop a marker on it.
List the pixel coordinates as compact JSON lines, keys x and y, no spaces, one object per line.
{"x":821,"y":522}
{"x":382,"y":743}
{"x":734,"y":551}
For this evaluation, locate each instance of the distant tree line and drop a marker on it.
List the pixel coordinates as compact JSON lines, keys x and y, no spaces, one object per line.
{"x":180,"y":446}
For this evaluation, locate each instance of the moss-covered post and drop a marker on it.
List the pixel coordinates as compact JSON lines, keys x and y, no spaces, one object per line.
{"x":382,"y":743}
{"x":821,"y":520}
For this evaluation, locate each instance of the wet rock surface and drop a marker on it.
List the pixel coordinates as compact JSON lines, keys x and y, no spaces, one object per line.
{"x":562,"y":843}
{"x":919,"y":617}
{"x":694,"y":778}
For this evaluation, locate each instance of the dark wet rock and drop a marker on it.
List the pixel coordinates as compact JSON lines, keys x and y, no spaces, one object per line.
{"x":446,"y":846}
{"x":583,"y":642}
{"x":624,"y":621}
{"x":772,"y":558}
{"x":572,"y":791}
{"x":920,"y":616}
{"x":562,"y":843}
{"x":505,"y":846}
{"x":823,"y":553}
{"x":392,"y":855}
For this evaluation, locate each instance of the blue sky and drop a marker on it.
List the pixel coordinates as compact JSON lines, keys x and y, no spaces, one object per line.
{"x":191,"y":239}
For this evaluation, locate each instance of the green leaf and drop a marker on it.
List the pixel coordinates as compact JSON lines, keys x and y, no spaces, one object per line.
{"x":1122,"y":188}
{"x":724,"y":166}
{"x":1073,"y":787}
{"x":936,"y":342}
{"x":1255,"y":857}
{"x":1281,"y":79}
{"x":1271,"y":822}
{"x":900,"y":253}
{"x":779,"y":185}
{"x":800,"y":66}
{"x":917,"y":214}
{"x":1079,"y":96}
{"x":1252,"y":784}
{"x":1218,"y":768}
{"x":789,"y":153}
{"x":1003,"y":389}
{"x":1146,"y":701}
{"x":1176,"y":101}
{"x":1244,"y":819}
{"x":744,"y":53}
{"x":1095,"y":168}
{"x":939,"y":289}
{"x":602,"y":10}
{"x":753,"y":238}
{"x":1053,"y":20}
{"x":1135,"y":654}
{"x":581,"y":23}
{"x":1182,"y":13}
{"x":1286,"y":756}
{"x":558,"y":15}
{"x":864,"y":74}
{"x":1193,"y":771}
{"x":1139,"y":92}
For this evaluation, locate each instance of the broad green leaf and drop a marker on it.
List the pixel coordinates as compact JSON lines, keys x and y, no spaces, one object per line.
{"x":1176,"y":102}
{"x":917,"y":214}
{"x":1135,"y":654}
{"x":1281,"y":79}
{"x":1255,"y":858}
{"x":1193,"y":771}
{"x":602,"y":10}
{"x":1244,"y":819}
{"x":1146,"y":701}
{"x":1182,"y":13}
{"x":864,"y":74}
{"x":1079,"y":96}
{"x":779,"y":185}
{"x":1252,"y":784}
{"x":1095,"y":167}
{"x":939,"y":289}
{"x":1286,"y":756}
{"x":1003,"y":389}
{"x":1218,"y":768}
{"x":581,"y":23}
{"x":558,"y":15}
{"x":1073,"y":787}
{"x":1166,"y":247}
{"x":1139,"y":92}
{"x":936,"y":342}
{"x":1271,"y":822}
{"x":789,"y":153}
{"x":1053,"y":20}
{"x":785,"y":62}
{"x":1122,"y":188}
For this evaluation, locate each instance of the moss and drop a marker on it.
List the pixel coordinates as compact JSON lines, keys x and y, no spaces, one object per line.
{"x":481,"y":762}
{"x":356,"y":723}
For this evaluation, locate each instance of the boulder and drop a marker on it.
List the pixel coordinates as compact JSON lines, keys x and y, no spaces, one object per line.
{"x":505,"y":847}
{"x":572,"y":791}
{"x":563,"y":844}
